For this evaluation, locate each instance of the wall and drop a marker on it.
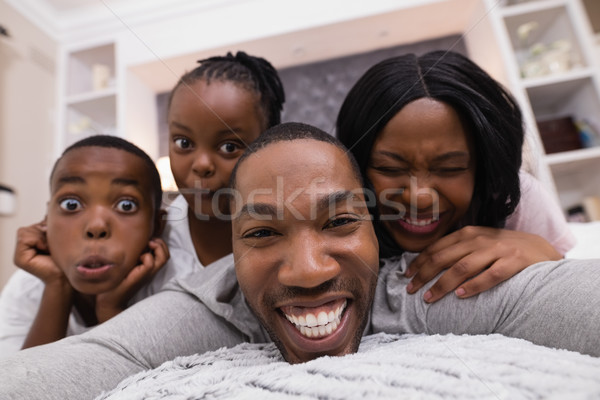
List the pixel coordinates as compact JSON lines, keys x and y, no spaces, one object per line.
{"x":27,"y":98}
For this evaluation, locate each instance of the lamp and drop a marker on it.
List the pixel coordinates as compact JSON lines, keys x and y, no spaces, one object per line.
{"x":7,"y":200}
{"x":163,"y":164}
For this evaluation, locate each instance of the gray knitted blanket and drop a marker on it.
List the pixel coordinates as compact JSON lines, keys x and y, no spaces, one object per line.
{"x":386,"y":367}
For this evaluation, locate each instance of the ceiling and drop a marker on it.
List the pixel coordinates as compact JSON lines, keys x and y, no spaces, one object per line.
{"x":61,"y":6}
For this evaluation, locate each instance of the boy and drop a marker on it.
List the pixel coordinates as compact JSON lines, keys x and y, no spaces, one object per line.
{"x":96,"y":247}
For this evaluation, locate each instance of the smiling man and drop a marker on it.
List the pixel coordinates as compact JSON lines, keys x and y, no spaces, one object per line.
{"x":305,"y":250}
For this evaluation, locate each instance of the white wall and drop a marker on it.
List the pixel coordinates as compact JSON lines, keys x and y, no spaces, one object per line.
{"x":27,"y":99}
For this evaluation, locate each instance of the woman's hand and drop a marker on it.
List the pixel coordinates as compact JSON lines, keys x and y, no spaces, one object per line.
{"x":477,"y":259}
{"x":111,"y":303}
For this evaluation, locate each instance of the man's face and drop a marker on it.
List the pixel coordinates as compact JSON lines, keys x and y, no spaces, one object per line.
{"x":305,"y":251}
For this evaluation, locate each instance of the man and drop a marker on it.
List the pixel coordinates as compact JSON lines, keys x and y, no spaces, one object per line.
{"x":306,"y":260}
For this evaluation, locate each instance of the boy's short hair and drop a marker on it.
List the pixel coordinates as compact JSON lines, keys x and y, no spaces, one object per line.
{"x":115,"y":142}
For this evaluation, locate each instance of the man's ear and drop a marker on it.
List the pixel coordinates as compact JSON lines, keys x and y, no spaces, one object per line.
{"x":160,"y":222}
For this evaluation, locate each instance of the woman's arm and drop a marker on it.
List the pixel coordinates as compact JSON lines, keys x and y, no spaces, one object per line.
{"x":477,"y":259}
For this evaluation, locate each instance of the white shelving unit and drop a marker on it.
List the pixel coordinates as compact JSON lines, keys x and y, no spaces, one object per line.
{"x":567,"y":87}
{"x":88,"y":104}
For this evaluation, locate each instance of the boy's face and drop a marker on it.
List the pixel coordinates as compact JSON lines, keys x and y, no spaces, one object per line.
{"x":306,"y":256}
{"x":100,"y":216}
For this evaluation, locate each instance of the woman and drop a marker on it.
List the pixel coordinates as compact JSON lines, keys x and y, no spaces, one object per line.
{"x":440,"y":144}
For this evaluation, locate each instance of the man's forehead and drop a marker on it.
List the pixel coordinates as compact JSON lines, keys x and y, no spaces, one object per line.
{"x":306,"y":163}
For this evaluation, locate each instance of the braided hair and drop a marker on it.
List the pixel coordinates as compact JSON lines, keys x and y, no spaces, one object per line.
{"x":253,"y":73}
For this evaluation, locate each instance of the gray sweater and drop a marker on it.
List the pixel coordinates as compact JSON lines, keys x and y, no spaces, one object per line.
{"x":552,"y":303}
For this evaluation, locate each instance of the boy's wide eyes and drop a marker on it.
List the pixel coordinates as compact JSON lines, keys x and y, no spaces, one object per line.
{"x":127,"y":206}
{"x":70,"y":204}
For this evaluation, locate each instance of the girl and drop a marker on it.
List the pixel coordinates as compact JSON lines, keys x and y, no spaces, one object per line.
{"x":214,"y":112}
{"x":440,"y":143}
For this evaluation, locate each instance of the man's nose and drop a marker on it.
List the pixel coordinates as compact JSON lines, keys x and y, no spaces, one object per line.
{"x":309,"y":262}
{"x":98,"y":226}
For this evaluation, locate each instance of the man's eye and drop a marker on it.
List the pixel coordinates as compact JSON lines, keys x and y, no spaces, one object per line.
{"x":127,"y":206}
{"x":229,"y":147}
{"x":70,"y":204}
{"x":341,"y":221}
{"x":183,"y":143}
{"x":259,"y":233}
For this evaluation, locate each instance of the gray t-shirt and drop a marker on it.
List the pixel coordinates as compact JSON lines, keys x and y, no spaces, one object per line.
{"x":552,"y":303}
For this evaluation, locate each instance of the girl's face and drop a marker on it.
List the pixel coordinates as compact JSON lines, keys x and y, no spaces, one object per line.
{"x":210,"y":125}
{"x":423,"y":172}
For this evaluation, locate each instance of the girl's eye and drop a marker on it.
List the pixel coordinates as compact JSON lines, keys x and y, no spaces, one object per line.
{"x":127,"y":206}
{"x":183,"y":143}
{"x":70,"y":205}
{"x":229,"y":147}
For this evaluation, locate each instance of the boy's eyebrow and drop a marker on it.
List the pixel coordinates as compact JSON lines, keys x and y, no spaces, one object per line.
{"x":126,"y":182}
{"x":322,"y":203}
{"x":69,"y":179}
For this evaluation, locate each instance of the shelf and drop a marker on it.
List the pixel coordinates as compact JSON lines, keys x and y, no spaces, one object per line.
{"x":575,"y":96}
{"x":90,"y":96}
{"x":552,"y":79}
{"x":91,"y":70}
{"x":552,"y":34}
{"x":574,"y":156}
{"x":517,"y":8}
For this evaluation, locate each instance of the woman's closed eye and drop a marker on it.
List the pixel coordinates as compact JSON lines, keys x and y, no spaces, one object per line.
{"x":390,"y":170}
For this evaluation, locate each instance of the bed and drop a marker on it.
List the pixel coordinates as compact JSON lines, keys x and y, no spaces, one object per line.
{"x":386,"y":367}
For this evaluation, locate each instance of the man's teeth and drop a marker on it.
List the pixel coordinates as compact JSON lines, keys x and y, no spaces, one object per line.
{"x":315,"y":326}
{"x":421,"y":222}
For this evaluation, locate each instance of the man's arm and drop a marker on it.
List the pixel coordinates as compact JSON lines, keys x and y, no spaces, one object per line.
{"x":161,"y":327}
{"x":553,"y":303}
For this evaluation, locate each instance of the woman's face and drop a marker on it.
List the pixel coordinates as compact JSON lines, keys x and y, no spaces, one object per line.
{"x":423,"y":172}
{"x":210,"y":126}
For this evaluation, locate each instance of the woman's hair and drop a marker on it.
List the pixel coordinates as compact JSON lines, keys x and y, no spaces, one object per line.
{"x":252,"y":73}
{"x":488,"y":112}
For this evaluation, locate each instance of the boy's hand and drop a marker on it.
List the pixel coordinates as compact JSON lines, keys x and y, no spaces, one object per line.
{"x":111,"y":303}
{"x":477,"y":259}
{"x":32,"y":254}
